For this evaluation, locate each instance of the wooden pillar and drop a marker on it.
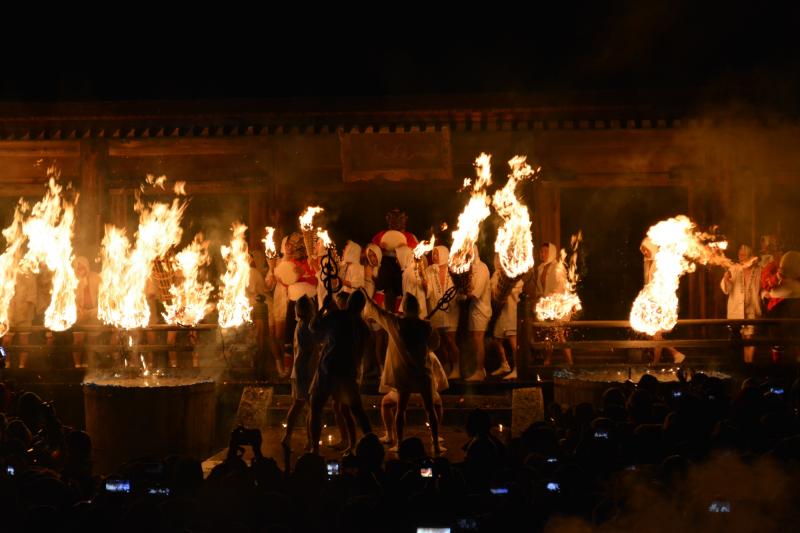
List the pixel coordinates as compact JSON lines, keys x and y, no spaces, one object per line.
{"x":258,"y":205}
{"x":547,"y":213}
{"x":118,"y":208}
{"x":89,"y":220}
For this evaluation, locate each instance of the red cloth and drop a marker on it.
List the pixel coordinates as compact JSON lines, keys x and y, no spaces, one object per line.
{"x":769,"y":281}
{"x":379,"y":297}
{"x":307,"y":274}
{"x":411,"y":241}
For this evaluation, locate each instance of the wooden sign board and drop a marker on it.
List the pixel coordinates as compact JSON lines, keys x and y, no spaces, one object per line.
{"x":253,"y":405}
{"x":397,"y":156}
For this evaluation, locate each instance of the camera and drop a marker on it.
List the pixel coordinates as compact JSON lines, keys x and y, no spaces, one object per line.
{"x":719,"y":506}
{"x":158,"y":491}
{"x":242,"y":436}
{"x":333,"y":468}
{"x":467,"y":524}
{"x":118,"y":486}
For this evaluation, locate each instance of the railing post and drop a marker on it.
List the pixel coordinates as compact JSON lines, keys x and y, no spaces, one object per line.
{"x":523,"y":338}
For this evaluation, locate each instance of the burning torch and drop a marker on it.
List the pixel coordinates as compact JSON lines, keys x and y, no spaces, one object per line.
{"x":514,"y":243}
{"x":329,"y":264}
{"x":307,"y":227}
{"x":419,"y":252}
{"x":462,"y":252}
{"x":270,"y":251}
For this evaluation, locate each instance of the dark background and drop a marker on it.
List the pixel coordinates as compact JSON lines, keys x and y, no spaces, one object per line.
{"x":680,"y":53}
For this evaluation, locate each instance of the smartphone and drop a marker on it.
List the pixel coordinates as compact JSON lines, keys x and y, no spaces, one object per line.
{"x":552,"y":460}
{"x":10,"y":470}
{"x":499,"y":490}
{"x":676,"y":394}
{"x":158,"y":491}
{"x":467,"y":524}
{"x":334,"y":467}
{"x":426,"y":470}
{"x":118,"y":486}
{"x":776,"y":390}
{"x":552,"y":486}
{"x":719,"y":506}
{"x":601,"y":434}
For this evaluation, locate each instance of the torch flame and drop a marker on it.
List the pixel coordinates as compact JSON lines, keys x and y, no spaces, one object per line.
{"x":561,"y":306}
{"x":121,"y":300}
{"x":190,"y":297}
{"x":49,"y":233}
{"x":679,"y":249}
{"x":514,"y":243}
{"x":424,"y":247}
{"x":469,"y":221}
{"x":307,"y":218}
{"x":156,"y":181}
{"x":322,"y":234}
{"x":15,"y":238}
{"x":269,"y":243}
{"x":234,"y":306}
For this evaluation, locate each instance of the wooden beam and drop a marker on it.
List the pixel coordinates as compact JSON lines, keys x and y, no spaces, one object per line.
{"x":46,"y":149}
{"x":166,"y":146}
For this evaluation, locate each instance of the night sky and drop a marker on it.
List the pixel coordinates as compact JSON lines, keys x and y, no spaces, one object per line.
{"x":678,"y":52}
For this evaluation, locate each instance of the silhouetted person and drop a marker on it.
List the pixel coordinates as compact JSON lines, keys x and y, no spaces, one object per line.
{"x":344,"y":336}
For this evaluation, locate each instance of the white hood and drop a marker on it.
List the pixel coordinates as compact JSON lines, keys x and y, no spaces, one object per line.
{"x":351,"y":253}
{"x":405,"y":257}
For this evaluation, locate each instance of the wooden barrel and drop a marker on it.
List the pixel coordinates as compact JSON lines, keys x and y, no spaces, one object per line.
{"x":128,"y":421}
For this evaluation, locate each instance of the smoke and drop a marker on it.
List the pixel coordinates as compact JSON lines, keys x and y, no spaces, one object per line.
{"x":761,"y":496}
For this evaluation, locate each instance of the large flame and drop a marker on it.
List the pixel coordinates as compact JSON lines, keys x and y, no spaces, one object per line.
{"x":189,"y":297}
{"x":514,"y":243}
{"x":469,"y":221}
{"x":563,"y":305}
{"x":234,"y":306}
{"x":424,"y":247}
{"x":9,"y":260}
{"x":679,"y":248}
{"x":307,"y":218}
{"x":269,"y":243}
{"x":49,"y":233}
{"x":121,"y":299}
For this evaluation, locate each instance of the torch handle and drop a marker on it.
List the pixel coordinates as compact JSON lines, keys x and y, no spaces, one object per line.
{"x":309,"y":241}
{"x":329,"y":272}
{"x":444,"y":302}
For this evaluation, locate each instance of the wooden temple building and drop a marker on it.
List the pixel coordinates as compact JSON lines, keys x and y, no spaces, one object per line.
{"x":609,"y":170}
